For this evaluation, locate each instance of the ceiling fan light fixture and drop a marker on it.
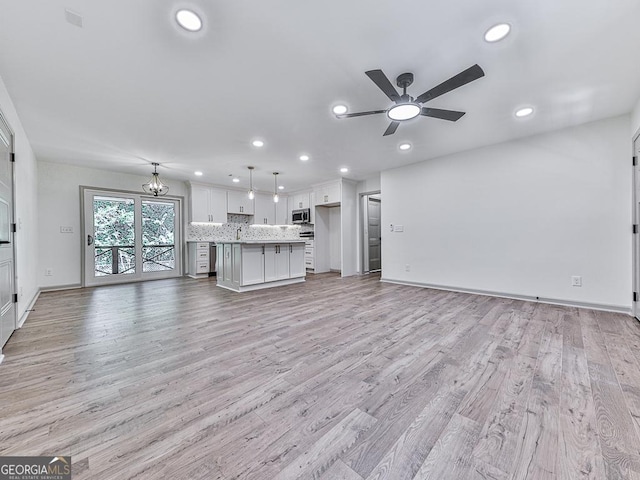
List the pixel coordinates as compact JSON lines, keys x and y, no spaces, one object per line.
{"x":189,"y":20}
{"x":155,"y":186}
{"x":404,"y":111}
{"x":497,"y":32}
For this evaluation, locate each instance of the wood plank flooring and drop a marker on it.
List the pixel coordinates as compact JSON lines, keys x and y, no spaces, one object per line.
{"x":331,"y":379}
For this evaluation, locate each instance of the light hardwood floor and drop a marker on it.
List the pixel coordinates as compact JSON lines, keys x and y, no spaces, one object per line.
{"x":332,"y":379}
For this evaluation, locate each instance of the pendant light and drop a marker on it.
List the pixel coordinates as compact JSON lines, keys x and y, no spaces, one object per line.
{"x":275,"y":189}
{"x":155,"y":186}
{"x":251,"y":192}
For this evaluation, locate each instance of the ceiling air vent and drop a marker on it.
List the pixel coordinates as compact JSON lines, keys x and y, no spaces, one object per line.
{"x":73,"y":18}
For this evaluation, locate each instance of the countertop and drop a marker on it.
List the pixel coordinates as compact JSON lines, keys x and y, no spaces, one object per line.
{"x":251,"y":242}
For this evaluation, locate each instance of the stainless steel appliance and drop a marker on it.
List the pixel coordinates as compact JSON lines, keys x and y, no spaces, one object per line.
{"x":212,"y":260}
{"x":301,"y":216}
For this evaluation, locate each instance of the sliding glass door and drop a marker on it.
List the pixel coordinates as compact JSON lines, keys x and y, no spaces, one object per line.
{"x":129,"y":237}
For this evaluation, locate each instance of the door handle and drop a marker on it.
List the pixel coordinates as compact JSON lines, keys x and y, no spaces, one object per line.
{"x":89,"y":240}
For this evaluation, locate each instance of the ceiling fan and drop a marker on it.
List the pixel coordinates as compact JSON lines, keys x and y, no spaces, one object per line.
{"x":407,"y":107}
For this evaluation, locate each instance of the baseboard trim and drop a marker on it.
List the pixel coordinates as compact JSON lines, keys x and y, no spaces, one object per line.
{"x":27,"y":311}
{"x":57,"y":288}
{"x":527,"y":298}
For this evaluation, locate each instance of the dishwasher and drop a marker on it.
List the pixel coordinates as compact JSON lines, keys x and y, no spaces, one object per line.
{"x":212,"y":260}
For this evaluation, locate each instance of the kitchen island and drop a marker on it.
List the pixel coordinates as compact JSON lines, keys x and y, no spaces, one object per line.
{"x":245,"y":265}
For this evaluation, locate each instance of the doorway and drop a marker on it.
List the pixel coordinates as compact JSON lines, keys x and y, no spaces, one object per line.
{"x":130,"y":237}
{"x":371,"y":233}
{"x":7,"y":250}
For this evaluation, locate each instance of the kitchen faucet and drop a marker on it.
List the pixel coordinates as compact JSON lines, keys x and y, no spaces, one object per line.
{"x":238,"y":231}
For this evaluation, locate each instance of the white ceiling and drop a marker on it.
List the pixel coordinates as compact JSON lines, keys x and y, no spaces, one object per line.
{"x":130,"y":87}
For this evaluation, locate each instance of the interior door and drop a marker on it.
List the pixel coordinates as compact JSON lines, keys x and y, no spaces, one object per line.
{"x":7,"y":264}
{"x":129,"y":237}
{"x":374,"y":233}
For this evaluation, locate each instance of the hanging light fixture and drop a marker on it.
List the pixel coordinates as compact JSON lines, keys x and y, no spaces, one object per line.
{"x":251,"y":192}
{"x":155,"y":186}
{"x":275,"y":189}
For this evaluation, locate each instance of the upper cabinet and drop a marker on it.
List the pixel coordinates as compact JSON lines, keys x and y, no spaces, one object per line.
{"x":208,"y":204}
{"x":265,"y":211}
{"x":282,"y":211}
{"x":238,"y":202}
{"x":300,"y":200}
{"x":328,"y":193}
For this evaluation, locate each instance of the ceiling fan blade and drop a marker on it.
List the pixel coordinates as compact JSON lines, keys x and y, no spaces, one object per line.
{"x":383,"y":83}
{"x":391,"y":129}
{"x":450,"y":115}
{"x":360,"y":114}
{"x":467,"y":76}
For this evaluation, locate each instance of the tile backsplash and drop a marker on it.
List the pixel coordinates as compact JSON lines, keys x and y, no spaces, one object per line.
{"x":206,"y":232}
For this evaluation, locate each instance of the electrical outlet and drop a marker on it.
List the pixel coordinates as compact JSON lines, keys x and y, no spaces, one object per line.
{"x":48,"y":272}
{"x":66,"y":229}
{"x":407,"y":268}
{"x":576,"y":281}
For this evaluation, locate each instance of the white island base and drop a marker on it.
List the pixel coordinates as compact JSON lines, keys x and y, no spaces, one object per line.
{"x":252,"y":265}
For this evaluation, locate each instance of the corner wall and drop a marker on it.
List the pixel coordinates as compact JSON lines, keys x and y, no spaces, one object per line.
{"x":26,"y":201}
{"x":520,"y":218}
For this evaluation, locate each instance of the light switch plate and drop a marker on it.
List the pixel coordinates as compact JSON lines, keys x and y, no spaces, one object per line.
{"x":66,"y":229}
{"x":398,"y":228}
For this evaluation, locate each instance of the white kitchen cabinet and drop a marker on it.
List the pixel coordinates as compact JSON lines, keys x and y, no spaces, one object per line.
{"x":282,"y":211}
{"x":265,"y":210}
{"x":238,"y":202}
{"x":309,"y":254}
{"x":296,"y":260}
{"x":249,"y":266}
{"x":253,"y":264}
{"x":328,"y":194}
{"x":207,"y":204}
{"x":276,"y":262}
{"x":198,"y":253}
{"x":300,"y":200}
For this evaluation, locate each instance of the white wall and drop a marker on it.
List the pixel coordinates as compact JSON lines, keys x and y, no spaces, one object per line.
{"x":635,"y":119}
{"x":25,"y":208}
{"x":518,"y":218}
{"x":59,"y":205}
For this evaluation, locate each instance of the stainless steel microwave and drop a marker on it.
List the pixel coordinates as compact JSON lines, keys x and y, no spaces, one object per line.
{"x":301,"y":216}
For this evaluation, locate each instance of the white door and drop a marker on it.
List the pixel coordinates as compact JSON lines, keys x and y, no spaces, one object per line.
{"x":130,"y":237}
{"x":7,"y":265}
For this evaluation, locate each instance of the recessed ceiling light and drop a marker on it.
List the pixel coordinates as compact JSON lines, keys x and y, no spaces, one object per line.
{"x":189,"y":20}
{"x":497,"y":32}
{"x":236,"y":180}
{"x":257,"y":143}
{"x":344,"y":170}
{"x":405,"y":146}
{"x":340,"y":109}
{"x":304,"y":158}
{"x":524,"y":112}
{"x":198,"y":173}
{"x":280,"y":187}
